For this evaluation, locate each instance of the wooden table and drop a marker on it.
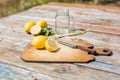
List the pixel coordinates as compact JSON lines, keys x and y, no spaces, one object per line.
{"x":104,"y":26}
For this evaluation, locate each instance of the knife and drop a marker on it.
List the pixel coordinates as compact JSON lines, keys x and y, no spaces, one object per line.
{"x":97,"y":51}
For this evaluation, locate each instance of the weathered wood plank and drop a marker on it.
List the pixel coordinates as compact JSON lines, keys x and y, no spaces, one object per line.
{"x":63,"y":71}
{"x":25,"y":41}
{"x":13,"y":40}
{"x":91,"y":19}
{"x":19,"y":45}
{"x":16,"y":24}
{"x":9,"y":70}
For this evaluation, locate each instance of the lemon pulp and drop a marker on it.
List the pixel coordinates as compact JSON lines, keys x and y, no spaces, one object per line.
{"x":35,"y":30}
{"x":51,"y":45}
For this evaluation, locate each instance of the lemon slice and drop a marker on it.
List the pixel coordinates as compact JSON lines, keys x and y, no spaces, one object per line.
{"x":51,"y":45}
{"x":35,"y":30}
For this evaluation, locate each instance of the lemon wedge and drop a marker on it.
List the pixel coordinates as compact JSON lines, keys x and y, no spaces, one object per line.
{"x":35,"y":30}
{"x":51,"y":45}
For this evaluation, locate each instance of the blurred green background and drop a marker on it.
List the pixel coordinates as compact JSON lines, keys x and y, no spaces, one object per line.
{"x":8,"y":7}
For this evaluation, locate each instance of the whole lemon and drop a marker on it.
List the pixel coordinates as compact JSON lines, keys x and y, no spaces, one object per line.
{"x":39,"y":41}
{"x":42,"y":23}
{"x":28,"y":26}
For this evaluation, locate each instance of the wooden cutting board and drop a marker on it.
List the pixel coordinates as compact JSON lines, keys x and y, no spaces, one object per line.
{"x":64,"y":54}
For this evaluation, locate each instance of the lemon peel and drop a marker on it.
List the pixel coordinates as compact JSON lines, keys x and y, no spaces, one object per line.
{"x":39,"y":42}
{"x":28,"y":26}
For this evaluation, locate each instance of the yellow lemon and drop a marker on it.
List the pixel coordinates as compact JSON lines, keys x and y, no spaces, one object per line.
{"x":42,"y":23}
{"x":35,"y":30}
{"x":39,"y":41}
{"x":28,"y":26}
{"x":51,"y":45}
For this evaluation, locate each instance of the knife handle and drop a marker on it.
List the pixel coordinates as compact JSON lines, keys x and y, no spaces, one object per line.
{"x":92,"y":51}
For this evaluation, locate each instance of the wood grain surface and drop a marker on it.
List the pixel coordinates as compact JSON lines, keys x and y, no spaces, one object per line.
{"x":63,"y":54}
{"x":105,"y":30}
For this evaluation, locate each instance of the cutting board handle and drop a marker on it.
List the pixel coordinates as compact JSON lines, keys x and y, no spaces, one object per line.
{"x":92,"y":51}
{"x":97,"y":51}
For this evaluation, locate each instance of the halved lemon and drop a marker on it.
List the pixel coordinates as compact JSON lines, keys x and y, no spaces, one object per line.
{"x":28,"y":26}
{"x":51,"y":45}
{"x":35,"y":30}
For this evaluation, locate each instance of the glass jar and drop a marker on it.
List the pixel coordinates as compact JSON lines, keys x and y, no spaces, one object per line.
{"x":63,"y":22}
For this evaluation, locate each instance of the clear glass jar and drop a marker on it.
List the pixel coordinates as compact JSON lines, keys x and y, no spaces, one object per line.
{"x":62,"y":22}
